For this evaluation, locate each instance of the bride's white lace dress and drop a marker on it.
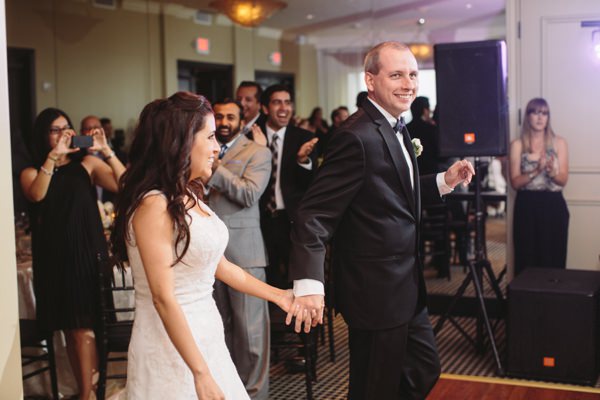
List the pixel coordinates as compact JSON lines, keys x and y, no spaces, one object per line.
{"x":155,"y":369}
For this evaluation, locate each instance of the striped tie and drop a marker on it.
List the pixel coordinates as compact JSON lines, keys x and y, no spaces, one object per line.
{"x":272,"y":203}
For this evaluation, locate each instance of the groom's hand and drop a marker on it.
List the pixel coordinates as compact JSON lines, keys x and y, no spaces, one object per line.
{"x":307,"y":310}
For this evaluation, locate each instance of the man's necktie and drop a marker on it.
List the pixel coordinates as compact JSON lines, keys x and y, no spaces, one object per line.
{"x":223,"y":150}
{"x":274,"y":146}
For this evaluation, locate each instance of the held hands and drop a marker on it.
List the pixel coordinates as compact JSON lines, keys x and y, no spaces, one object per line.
{"x":307,"y":310}
{"x":285,"y":300}
{"x":305,"y":150}
{"x":207,"y":388}
{"x":460,"y":172}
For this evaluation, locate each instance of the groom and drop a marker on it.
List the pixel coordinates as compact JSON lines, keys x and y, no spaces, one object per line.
{"x":367,"y":195}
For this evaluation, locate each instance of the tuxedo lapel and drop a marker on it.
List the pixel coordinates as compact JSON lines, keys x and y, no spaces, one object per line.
{"x":413,"y":158}
{"x":393,"y":145}
{"x":395,"y":149}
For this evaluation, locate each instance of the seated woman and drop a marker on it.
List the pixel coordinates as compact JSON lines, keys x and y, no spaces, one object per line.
{"x":175,"y":246}
{"x":539,"y":169}
{"x":67,"y":235}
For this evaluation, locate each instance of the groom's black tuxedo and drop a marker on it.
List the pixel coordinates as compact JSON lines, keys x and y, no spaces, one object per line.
{"x":363,"y":198}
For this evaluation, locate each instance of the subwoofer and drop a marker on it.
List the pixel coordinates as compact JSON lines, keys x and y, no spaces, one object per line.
{"x":553,"y":325}
{"x":472,"y":98}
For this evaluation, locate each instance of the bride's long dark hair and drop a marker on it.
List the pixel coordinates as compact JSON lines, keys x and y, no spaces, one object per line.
{"x":159,"y":159}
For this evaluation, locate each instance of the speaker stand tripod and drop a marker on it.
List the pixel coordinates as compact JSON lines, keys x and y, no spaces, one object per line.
{"x":477,"y":268}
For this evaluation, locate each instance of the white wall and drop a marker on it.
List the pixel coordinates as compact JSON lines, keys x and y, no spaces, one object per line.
{"x":553,"y":58}
{"x":10,"y":354}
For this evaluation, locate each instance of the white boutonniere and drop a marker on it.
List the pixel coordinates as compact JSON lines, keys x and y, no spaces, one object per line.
{"x":417,"y":146}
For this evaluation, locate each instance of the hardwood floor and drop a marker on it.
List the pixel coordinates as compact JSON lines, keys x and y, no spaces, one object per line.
{"x":467,"y":388}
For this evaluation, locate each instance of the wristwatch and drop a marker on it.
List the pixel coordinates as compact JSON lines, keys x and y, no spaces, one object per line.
{"x":531,"y":175}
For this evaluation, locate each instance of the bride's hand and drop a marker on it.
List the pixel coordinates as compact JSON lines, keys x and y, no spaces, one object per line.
{"x":207,"y":388}
{"x":285,"y":300}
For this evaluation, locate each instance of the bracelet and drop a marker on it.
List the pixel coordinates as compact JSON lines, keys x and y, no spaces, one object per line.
{"x":45,"y":171}
{"x":54,"y":159}
{"x":108,"y":157}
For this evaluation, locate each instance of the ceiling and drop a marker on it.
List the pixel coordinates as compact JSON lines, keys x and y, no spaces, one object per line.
{"x":359,"y":23}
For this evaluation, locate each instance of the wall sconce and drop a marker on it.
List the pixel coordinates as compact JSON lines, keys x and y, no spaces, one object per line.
{"x":249,"y":13}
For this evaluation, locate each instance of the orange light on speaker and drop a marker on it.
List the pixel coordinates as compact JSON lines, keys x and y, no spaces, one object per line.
{"x":549,"y":362}
{"x":202,"y":45}
{"x":469,"y":138}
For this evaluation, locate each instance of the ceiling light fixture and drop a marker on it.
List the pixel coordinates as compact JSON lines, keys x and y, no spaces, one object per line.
{"x":249,"y":13}
{"x":422,"y":51}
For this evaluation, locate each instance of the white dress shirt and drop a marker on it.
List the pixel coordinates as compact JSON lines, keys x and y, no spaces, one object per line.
{"x":305,"y":287}
{"x":280,"y":205}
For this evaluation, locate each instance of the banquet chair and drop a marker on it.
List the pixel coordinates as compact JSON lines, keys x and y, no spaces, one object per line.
{"x":434,"y":239}
{"x":32,"y":337}
{"x":114,"y":332}
{"x":284,"y":337}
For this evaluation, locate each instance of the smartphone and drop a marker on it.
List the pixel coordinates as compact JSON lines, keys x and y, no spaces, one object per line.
{"x":82,"y":141}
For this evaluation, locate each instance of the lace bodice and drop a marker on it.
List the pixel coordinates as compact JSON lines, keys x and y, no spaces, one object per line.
{"x":195,"y":274}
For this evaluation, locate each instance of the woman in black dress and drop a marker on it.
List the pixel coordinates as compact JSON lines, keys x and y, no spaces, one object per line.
{"x":67,"y":234}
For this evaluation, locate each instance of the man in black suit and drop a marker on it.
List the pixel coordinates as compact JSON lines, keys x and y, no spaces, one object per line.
{"x":293,"y":167}
{"x":367,"y":195}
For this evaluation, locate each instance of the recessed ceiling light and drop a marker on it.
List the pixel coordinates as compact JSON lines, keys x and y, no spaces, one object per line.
{"x":468,"y":6}
{"x":421,"y":21}
{"x":309,"y":16}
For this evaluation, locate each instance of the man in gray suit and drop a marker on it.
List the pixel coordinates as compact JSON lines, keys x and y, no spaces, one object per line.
{"x":239,"y":178}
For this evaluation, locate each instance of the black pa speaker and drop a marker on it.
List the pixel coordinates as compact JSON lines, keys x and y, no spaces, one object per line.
{"x":472,"y":98}
{"x":553,"y":325}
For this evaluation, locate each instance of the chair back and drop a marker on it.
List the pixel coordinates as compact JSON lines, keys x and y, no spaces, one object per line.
{"x":116,"y":297}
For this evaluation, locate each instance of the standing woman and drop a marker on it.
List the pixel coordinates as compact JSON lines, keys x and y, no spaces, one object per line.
{"x":67,"y":235}
{"x":175,"y":243}
{"x":539,"y":169}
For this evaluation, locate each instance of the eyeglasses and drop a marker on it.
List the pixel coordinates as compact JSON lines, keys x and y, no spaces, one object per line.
{"x":54,"y":130}
{"x":539,"y":112}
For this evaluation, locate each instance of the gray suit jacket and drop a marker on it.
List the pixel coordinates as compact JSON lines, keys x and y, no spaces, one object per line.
{"x":236,"y":186}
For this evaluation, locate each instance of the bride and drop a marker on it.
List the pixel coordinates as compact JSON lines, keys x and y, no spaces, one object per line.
{"x":174,"y":244}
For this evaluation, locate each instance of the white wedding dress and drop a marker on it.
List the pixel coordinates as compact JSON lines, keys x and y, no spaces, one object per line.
{"x":155,"y":369}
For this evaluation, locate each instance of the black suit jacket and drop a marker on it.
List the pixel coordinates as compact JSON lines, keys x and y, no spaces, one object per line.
{"x":294,"y":180}
{"x":362,"y":192}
